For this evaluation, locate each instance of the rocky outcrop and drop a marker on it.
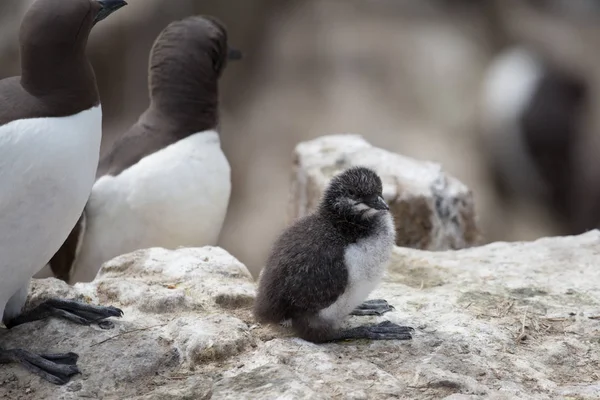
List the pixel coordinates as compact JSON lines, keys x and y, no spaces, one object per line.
{"x":180,"y":313}
{"x":502,"y":321}
{"x":432,"y":210}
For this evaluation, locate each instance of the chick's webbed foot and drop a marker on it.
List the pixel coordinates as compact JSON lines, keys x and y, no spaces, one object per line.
{"x":55,"y":368}
{"x":373,"y":307}
{"x":383,"y":331}
{"x":74,"y":311}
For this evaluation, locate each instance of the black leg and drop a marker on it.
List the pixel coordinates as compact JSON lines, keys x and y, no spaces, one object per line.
{"x":55,"y":368}
{"x":384,"y":331}
{"x":74,"y":311}
{"x":62,"y":358}
{"x":373,"y":307}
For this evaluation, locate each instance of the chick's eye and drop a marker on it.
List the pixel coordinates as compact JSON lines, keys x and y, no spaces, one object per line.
{"x":351,"y":192}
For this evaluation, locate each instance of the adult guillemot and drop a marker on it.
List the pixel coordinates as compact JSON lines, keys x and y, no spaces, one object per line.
{"x":532,"y":112}
{"x":323,"y":267}
{"x":50,"y":131}
{"x":166,"y":181}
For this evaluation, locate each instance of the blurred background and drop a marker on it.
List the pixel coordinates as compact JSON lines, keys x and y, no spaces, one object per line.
{"x":436,"y":80}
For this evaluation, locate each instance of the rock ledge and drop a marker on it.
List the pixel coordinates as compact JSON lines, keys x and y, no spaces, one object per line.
{"x":501,"y":321}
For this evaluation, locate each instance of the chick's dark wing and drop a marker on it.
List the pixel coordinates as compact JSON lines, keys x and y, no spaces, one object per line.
{"x":306,"y":269}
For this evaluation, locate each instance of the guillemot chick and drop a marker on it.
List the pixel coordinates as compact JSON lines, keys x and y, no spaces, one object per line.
{"x":166,"y":182}
{"x":50,"y":131}
{"x":324,"y":266}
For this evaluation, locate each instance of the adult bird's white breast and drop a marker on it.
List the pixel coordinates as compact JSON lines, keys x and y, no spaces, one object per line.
{"x":47,"y":169}
{"x":177,"y":196}
{"x":508,"y":87}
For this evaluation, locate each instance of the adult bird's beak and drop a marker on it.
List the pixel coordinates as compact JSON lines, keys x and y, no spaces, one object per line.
{"x":234,"y":54}
{"x":108,"y":7}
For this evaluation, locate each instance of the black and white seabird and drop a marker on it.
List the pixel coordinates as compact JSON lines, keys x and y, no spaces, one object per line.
{"x":165,"y":182}
{"x":323,"y":267}
{"x":532,"y":112}
{"x":50,"y":131}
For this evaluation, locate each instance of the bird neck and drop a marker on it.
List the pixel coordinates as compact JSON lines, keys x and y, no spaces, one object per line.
{"x":184,"y":116}
{"x":70,"y":79}
{"x":190,"y":102}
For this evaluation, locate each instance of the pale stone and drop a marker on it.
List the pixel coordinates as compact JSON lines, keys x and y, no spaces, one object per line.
{"x":174,"y":319}
{"x":432,"y":210}
{"x":502,"y":321}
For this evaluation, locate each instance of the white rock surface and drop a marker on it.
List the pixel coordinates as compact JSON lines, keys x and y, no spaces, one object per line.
{"x":502,"y":321}
{"x":432,"y":210}
{"x":175,"y":320}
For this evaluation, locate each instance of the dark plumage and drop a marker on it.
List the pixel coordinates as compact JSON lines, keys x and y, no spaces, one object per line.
{"x":186,"y":61}
{"x":324,"y":265}
{"x":533,"y":112}
{"x":50,"y":132}
{"x":551,"y":125}
{"x":183,"y":88}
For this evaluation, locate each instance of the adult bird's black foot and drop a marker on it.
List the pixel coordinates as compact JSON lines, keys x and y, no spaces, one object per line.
{"x":55,"y":368}
{"x":373,"y":307}
{"x":74,"y":311}
{"x":383,"y":331}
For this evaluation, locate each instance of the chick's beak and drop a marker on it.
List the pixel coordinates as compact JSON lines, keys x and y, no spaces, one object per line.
{"x":378,"y":203}
{"x":382,"y":203}
{"x":108,"y":7}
